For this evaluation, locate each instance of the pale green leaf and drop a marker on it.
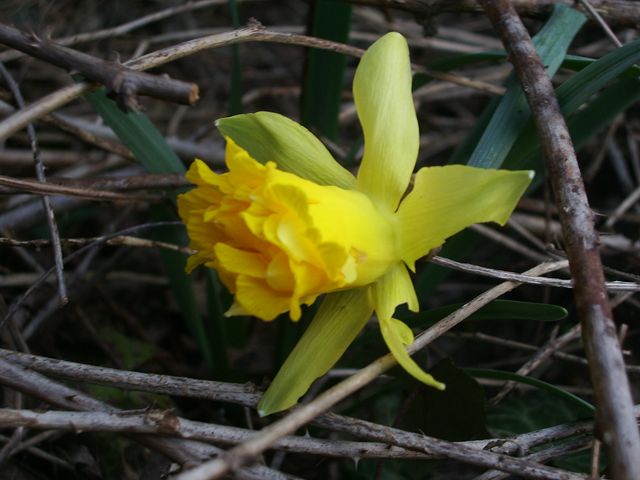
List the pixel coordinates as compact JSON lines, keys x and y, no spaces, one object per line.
{"x":269,"y":136}
{"x":339,"y":320}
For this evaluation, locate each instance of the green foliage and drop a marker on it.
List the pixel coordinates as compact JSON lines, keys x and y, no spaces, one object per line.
{"x":496,"y":310}
{"x":512,"y":112}
{"x":584,"y":408}
{"x":324,"y":76}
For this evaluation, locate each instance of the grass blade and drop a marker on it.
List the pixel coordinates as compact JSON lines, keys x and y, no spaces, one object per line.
{"x":324,"y":77}
{"x":496,"y":310}
{"x":512,"y":112}
{"x":581,"y":404}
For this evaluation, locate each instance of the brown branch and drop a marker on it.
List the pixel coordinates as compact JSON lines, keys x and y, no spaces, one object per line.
{"x":247,"y":395}
{"x":122,"y":29}
{"x":183,"y":451}
{"x":610,"y":382}
{"x":165,"y":423}
{"x":129,"y":182}
{"x":621,"y":13}
{"x":40,"y":175}
{"x":253,"y":32}
{"x":124,"y":82}
{"x":66,"y":126}
{"x":34,"y":186}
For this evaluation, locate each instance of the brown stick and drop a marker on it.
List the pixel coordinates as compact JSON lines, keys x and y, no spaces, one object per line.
{"x":621,"y":13}
{"x":183,"y":451}
{"x":615,"y":407}
{"x":124,"y":82}
{"x":34,"y":186}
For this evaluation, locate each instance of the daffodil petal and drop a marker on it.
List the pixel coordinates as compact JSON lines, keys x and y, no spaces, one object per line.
{"x":273,"y":137}
{"x":397,"y":335}
{"x":382,"y":93}
{"x":393,"y":289}
{"x":445,"y":200}
{"x":340,"y":318}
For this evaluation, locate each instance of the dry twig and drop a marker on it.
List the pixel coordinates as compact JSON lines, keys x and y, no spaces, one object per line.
{"x":180,"y":450}
{"x":622,"y":13}
{"x":124,"y":82}
{"x":39,"y":168}
{"x":254,"y":32}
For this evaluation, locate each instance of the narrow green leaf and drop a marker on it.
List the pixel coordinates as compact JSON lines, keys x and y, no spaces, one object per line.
{"x":136,"y":131}
{"x":181,"y":283}
{"x":583,"y":405}
{"x":512,"y":112}
{"x":324,"y":76}
{"x":269,"y":136}
{"x":573,"y":93}
{"x":339,"y":320}
{"x":583,"y":125}
{"x":496,"y":310}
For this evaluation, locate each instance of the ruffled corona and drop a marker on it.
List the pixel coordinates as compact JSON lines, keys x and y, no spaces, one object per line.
{"x":278,"y":240}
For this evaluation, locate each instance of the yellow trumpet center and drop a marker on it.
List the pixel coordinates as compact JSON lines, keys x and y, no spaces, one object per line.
{"x":278,"y":240}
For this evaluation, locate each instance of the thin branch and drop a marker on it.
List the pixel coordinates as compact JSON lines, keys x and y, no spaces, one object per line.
{"x":25,"y":185}
{"x":40,"y":175}
{"x":623,"y":13}
{"x":101,"y":240}
{"x":120,"y":240}
{"x":127,"y":182}
{"x":567,"y":357}
{"x":241,"y":394}
{"x":601,"y":21}
{"x":84,"y":135}
{"x":165,"y":423}
{"x":124,"y":82}
{"x":610,"y":382}
{"x":254,"y":32}
{"x":183,"y":451}
{"x":615,"y":286}
{"x":246,"y":395}
{"x":39,"y":453}
{"x":622,"y":208}
{"x":546,"y":351}
{"x":123,"y":28}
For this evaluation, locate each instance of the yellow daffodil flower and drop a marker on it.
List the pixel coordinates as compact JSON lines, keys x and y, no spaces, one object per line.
{"x":287,"y":223}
